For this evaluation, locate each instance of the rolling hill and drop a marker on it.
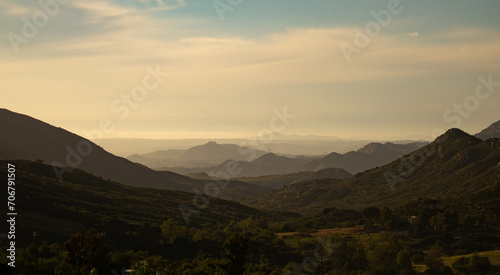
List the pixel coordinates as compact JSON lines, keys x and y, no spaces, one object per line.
{"x":455,"y":165}
{"x":370,"y":156}
{"x":82,"y":201}
{"x":32,"y":139}
{"x":268,"y":164}
{"x":279,"y":181}
{"x":208,"y":154}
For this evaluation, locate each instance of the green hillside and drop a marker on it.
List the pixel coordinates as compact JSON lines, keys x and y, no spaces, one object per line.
{"x":32,"y":139}
{"x":494,"y":257}
{"x":83,"y":201}
{"x":453,"y":166}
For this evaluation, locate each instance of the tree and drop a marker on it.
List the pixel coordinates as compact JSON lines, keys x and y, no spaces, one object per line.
{"x":122,"y":259}
{"x":171,"y":230}
{"x":444,"y":221}
{"x":235,"y":248}
{"x":437,"y":249}
{"x":491,"y":218}
{"x":472,"y":265}
{"x":387,"y":218}
{"x":372,"y":214}
{"x":49,"y":258}
{"x":86,"y":252}
{"x":382,"y":256}
{"x":404,"y":260}
{"x":438,"y":222}
{"x":467,"y":221}
{"x":151,"y":265}
{"x":435,"y":266}
{"x":346,"y":256}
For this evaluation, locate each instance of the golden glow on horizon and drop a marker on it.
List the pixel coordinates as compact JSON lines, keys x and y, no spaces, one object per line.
{"x":228,"y":85}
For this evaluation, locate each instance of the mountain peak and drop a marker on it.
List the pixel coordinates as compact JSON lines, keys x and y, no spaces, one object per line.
{"x":372,"y":147}
{"x":211,"y":143}
{"x":493,"y":131}
{"x":32,"y":139}
{"x":454,"y":135}
{"x":268,"y":156}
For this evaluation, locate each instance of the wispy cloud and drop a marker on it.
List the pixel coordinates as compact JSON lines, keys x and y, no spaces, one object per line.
{"x":100,"y":9}
{"x":103,"y":9}
{"x":413,"y":34}
{"x":97,"y":50}
{"x":13,"y":8}
{"x":293,"y":56}
{"x":163,"y":4}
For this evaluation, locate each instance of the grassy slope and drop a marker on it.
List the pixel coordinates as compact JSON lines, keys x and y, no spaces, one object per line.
{"x":278,"y":181}
{"x":493,"y":255}
{"x":83,"y":201}
{"x":447,"y":172}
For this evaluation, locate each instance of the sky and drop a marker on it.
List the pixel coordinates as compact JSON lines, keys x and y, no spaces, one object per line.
{"x":234,"y":68}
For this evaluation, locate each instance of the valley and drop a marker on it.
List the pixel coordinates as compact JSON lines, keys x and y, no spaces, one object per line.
{"x":431,"y":203}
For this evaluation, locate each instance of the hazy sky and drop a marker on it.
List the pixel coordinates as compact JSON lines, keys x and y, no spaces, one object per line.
{"x":231,"y":63}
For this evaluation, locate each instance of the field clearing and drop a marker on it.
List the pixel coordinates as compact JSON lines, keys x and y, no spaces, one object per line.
{"x":348,"y":230}
{"x":330,"y":231}
{"x":493,"y":255}
{"x":356,"y":230}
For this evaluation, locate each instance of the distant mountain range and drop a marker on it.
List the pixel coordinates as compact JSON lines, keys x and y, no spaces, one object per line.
{"x":493,"y":131}
{"x":26,"y":138}
{"x":370,"y":156}
{"x":279,"y":181}
{"x":280,"y":144}
{"x":205,"y":155}
{"x":268,"y":164}
{"x":456,"y":165}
